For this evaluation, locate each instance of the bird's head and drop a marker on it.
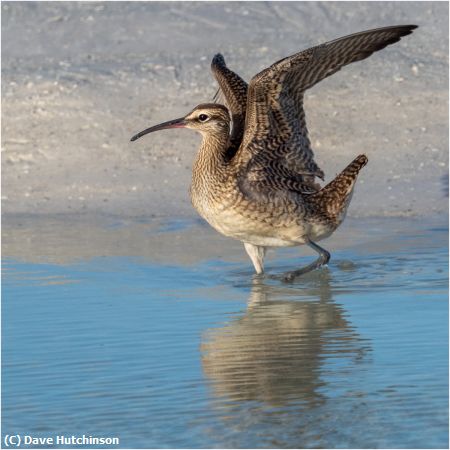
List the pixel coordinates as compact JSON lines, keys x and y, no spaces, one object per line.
{"x":208,"y":119}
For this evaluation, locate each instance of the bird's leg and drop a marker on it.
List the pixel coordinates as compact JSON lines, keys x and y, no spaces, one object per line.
{"x":256,"y":254}
{"x":323,"y":259}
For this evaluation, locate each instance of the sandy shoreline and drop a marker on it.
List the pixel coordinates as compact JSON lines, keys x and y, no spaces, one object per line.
{"x":69,"y":239}
{"x":80,"y":78}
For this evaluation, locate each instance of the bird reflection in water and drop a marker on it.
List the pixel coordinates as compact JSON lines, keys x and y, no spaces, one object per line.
{"x":275,"y":352}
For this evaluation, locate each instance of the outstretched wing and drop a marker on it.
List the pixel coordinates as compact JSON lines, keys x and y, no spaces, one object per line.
{"x":233,"y":92}
{"x":275,"y":147}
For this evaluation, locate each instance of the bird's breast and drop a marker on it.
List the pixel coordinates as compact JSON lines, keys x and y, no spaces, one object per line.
{"x":227,"y":210}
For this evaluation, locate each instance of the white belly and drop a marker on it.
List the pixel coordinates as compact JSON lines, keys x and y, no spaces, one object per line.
{"x":232,"y":224}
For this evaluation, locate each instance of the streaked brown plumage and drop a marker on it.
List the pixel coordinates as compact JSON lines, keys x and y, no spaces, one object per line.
{"x":256,"y":181}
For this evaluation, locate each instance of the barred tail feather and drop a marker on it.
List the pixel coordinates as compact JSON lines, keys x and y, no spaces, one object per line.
{"x":335,"y":197}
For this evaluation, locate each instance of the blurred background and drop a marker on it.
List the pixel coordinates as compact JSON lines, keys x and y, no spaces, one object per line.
{"x":80,"y":78}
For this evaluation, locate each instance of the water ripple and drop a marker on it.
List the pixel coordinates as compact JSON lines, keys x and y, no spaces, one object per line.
{"x":209,"y":355}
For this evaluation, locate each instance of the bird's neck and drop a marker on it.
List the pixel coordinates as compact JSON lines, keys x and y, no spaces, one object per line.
{"x":211,"y":172}
{"x":211,"y":161}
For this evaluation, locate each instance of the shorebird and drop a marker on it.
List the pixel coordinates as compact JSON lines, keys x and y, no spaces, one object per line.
{"x":254,"y":177}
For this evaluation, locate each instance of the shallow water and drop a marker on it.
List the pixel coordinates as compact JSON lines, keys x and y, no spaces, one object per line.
{"x":158,"y":333}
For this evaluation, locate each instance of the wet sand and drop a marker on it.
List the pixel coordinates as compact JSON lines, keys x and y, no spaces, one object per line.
{"x":79,"y":79}
{"x":67,"y":239}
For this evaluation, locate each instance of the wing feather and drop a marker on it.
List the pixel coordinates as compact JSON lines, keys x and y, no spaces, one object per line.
{"x":275,"y":128}
{"x":233,"y":93}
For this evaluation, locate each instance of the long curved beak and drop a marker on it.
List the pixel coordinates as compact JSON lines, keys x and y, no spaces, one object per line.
{"x":176,"y":123}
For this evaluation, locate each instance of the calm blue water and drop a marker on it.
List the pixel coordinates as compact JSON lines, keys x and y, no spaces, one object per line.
{"x":202,"y":354}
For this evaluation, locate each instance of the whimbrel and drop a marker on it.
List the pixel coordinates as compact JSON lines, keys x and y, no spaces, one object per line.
{"x":254,"y":178}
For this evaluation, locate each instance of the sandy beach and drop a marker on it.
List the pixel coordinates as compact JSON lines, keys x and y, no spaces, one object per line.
{"x":79,"y":79}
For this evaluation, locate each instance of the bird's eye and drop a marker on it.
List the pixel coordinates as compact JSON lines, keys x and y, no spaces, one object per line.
{"x":203,"y":117}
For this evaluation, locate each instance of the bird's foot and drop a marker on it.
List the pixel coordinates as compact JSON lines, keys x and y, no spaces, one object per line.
{"x":289,"y":277}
